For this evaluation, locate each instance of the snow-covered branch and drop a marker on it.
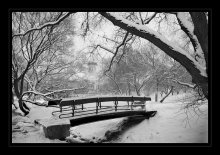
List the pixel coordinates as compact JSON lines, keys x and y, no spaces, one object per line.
{"x":36,"y":93}
{"x":182,"y":17}
{"x":44,"y":25}
{"x":188,"y":28}
{"x":185,"y":84}
{"x":160,"y":41}
{"x":36,"y":103}
{"x":47,"y":94}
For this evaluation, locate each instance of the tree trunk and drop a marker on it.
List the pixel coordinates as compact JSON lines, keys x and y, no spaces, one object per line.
{"x":171,"y":90}
{"x":138,"y":93}
{"x":16,"y":89}
{"x":22,"y":107}
{"x":156,"y":95}
{"x":129,"y":89}
{"x":161,"y":94}
{"x":12,"y":99}
{"x":204,"y":87}
{"x":201,"y":31}
{"x":18,"y":95}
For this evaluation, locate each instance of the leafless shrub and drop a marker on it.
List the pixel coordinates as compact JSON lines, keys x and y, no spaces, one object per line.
{"x":192,"y":107}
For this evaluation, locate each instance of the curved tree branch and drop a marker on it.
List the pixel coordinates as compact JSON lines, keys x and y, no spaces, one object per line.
{"x":193,"y":67}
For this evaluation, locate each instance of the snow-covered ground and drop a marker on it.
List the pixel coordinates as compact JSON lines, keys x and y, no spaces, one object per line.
{"x":169,"y":125}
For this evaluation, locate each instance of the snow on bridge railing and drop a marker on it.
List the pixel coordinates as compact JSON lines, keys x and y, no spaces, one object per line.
{"x":74,"y":101}
{"x":67,"y":103}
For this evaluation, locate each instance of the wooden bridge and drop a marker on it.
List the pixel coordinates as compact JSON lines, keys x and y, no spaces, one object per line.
{"x":87,"y":110}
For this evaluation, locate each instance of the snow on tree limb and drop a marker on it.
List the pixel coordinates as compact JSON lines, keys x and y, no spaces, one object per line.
{"x":46,"y":95}
{"x":44,"y":25}
{"x":184,"y":84}
{"x":36,"y":103}
{"x":188,"y":28}
{"x":36,"y":93}
{"x":160,"y":41}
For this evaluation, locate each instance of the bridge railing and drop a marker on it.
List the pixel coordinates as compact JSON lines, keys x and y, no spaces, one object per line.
{"x":70,"y":106}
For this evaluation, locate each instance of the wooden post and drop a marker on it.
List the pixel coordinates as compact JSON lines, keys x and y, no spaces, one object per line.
{"x":116,"y":103}
{"x":82,"y":106}
{"x":73,"y":108}
{"x":97,"y":105}
{"x":128,"y":104}
{"x":100,"y":106}
{"x":132,"y":103}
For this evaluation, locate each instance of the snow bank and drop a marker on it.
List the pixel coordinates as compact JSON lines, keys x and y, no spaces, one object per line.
{"x":95,"y":130}
{"x":25,"y":131}
{"x":41,"y":113}
{"x":36,"y":136}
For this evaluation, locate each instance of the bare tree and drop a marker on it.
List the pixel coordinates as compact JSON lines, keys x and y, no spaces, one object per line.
{"x":32,"y":35}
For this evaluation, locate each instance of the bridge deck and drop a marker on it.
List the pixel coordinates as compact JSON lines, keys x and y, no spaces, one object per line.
{"x":86,"y":110}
